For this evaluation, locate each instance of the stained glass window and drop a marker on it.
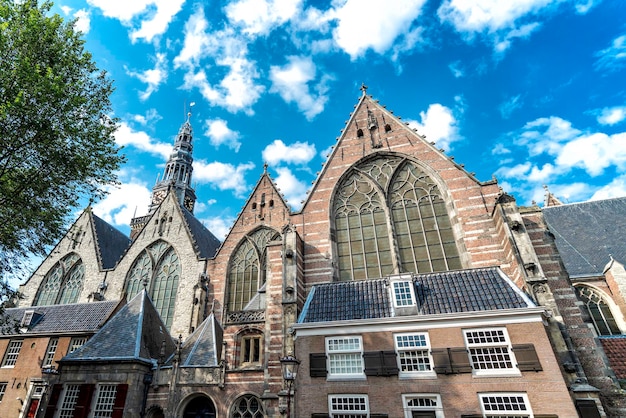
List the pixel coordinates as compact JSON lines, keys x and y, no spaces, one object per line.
{"x":247,"y":268}
{"x":390,"y":217}
{"x":63,"y":282}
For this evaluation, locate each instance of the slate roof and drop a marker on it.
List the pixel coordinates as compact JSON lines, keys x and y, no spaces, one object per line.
{"x":587,"y":234}
{"x":202,"y":348}
{"x":615,"y":349}
{"x":73,"y":318}
{"x":110,"y":242}
{"x":135,"y":332}
{"x":205,"y":242}
{"x":437,"y":293}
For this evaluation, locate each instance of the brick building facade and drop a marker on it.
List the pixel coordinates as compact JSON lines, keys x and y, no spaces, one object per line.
{"x":387,"y":206}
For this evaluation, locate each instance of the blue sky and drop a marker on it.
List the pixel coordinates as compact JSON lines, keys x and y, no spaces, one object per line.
{"x":530,"y":91}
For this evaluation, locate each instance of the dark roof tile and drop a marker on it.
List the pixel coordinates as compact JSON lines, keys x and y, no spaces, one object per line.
{"x":615,"y":349}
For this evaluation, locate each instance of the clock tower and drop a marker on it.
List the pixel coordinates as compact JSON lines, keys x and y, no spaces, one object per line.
{"x":176,"y":177}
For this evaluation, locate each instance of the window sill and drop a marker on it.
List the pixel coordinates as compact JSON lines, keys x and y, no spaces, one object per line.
{"x":497,"y":373}
{"x":345,"y":378}
{"x":417,"y":375}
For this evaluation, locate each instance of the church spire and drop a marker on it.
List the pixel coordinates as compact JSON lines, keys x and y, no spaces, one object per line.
{"x":176,"y":177}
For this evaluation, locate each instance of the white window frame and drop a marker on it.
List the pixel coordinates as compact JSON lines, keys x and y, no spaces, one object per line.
{"x":501,"y":399}
{"x":348,"y":400}
{"x":434,"y":398}
{"x":104,"y":400}
{"x":51,"y":349}
{"x":3,"y":389}
{"x":66,"y":410}
{"x":490,"y":349}
{"x":76,"y":343}
{"x":12,"y":353}
{"x":347,"y":354}
{"x":408,"y":342}
{"x":403,"y":293}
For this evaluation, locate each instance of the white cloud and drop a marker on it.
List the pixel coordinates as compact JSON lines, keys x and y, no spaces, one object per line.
{"x":291,"y":188}
{"x":83,"y":21}
{"x":223,"y":176}
{"x":220,"y":134}
{"x":146,"y":18}
{"x":594,"y":152}
{"x":546,"y":135}
{"x":439,"y":125}
{"x":259,"y":17}
{"x":291,"y":82}
{"x":612,"y":58}
{"x":373,"y":24}
{"x":153,"y":77}
{"x":616,"y":188}
{"x":196,"y":40}
{"x":510,"y":105}
{"x":299,"y":153}
{"x":218,"y":226}
{"x":495,"y":18}
{"x":612,"y":115}
{"x":151,"y":117}
{"x":123,"y":202}
{"x":456,"y":69}
{"x":126,"y":136}
{"x":584,"y":6}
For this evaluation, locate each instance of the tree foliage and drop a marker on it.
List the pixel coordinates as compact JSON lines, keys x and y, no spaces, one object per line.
{"x":56,"y":140}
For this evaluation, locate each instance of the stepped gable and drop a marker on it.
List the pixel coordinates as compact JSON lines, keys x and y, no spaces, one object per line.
{"x":203,"y":347}
{"x":76,"y":317}
{"x":456,"y":291}
{"x":204,"y":242}
{"x":588,"y":234}
{"x":111,"y":244}
{"x":135,"y":332}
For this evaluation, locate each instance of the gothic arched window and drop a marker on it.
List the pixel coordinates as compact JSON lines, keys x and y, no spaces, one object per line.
{"x":247,"y":268}
{"x":390,"y":217}
{"x":247,"y":406}
{"x":158,"y":268}
{"x":598,"y":309}
{"x":63,"y":283}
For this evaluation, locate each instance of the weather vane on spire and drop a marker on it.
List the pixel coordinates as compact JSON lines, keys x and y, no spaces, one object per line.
{"x":192,"y":104}
{"x":363,"y":89}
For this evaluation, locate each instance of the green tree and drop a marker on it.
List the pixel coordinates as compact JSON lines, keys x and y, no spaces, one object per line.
{"x":56,"y":140}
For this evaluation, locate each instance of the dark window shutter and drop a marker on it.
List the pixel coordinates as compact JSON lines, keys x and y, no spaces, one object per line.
{"x":373,"y":363}
{"x":317,"y":364}
{"x":54,"y":399}
{"x":83,"y":402}
{"x":320,"y":415}
{"x":472,"y":416}
{"x":546,"y":416}
{"x":526,"y":356}
{"x":441,"y":359}
{"x":390,"y":363}
{"x":587,"y":408}
{"x":460,"y":360}
{"x":379,"y":416}
{"x":120,"y":401}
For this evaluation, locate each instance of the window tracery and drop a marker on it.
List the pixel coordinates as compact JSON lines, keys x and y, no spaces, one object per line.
{"x":158,"y":268}
{"x":599,"y":310}
{"x":247,"y":268}
{"x":390,"y":217}
{"x":63,"y":282}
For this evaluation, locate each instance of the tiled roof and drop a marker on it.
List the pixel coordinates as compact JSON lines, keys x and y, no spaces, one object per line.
{"x":202,"y":348}
{"x":615,"y":349}
{"x":135,"y":332}
{"x":587,"y":234}
{"x":205,"y":242}
{"x":437,"y":293}
{"x":76,"y":317}
{"x":111,"y":242}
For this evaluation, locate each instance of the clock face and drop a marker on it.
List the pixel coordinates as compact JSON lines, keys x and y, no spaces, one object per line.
{"x":158,"y":196}
{"x":189,"y":203}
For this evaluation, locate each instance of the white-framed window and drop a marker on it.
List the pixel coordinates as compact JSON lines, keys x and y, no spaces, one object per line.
{"x":403,"y":293}
{"x":3,"y":389}
{"x":501,"y":405}
{"x":490,"y":351}
{"x":13,"y":351}
{"x":105,"y":400}
{"x":414,"y":358}
{"x":348,"y":406}
{"x":76,"y":343}
{"x":345,"y":357}
{"x":422,"y":405}
{"x":70,"y":396}
{"x":50,"y":351}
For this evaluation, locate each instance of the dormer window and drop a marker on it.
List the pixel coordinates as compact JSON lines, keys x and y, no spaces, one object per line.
{"x":403,"y":294}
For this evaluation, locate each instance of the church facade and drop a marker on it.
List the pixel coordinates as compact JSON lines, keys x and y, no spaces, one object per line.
{"x":382,"y":286}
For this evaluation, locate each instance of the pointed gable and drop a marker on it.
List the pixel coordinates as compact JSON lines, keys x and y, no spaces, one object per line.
{"x":110,"y":243}
{"x":135,"y":332}
{"x":204,"y":242}
{"x":202,"y":348}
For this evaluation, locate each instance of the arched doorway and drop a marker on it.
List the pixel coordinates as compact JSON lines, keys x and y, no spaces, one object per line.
{"x":155,"y":412}
{"x":199,"y":407}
